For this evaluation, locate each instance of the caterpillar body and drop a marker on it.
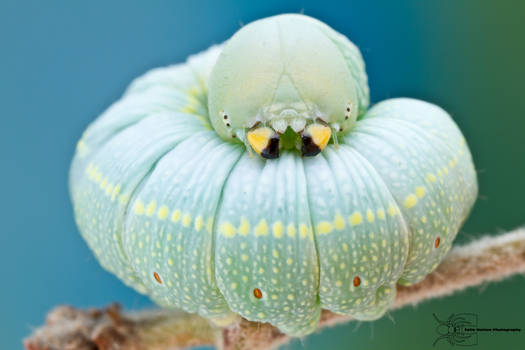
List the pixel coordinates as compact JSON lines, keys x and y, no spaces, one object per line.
{"x":338,"y":204}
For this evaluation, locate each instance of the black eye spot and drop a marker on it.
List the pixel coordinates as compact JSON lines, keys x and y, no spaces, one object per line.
{"x":346,"y":118}
{"x":309,"y":148}
{"x":225,"y":116}
{"x":348,"y":109}
{"x":228,"y":124}
{"x":272,"y":149}
{"x":340,"y":129}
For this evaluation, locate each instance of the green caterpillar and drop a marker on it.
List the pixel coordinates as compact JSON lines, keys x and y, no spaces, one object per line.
{"x":170,"y":197}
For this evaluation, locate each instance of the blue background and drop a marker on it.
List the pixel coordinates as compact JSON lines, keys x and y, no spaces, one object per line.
{"x":62,"y":64}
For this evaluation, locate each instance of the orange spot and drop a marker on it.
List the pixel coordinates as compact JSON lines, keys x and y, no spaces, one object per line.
{"x":357,"y":281}
{"x":436,"y":242}
{"x":257,"y":293}
{"x":157,"y":277}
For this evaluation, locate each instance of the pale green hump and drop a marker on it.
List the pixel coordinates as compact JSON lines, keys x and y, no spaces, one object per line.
{"x":264,"y":244}
{"x":284,"y":61}
{"x":434,"y":120}
{"x":181,"y":86}
{"x":430,"y":175}
{"x":316,"y":67}
{"x":169,"y":229}
{"x":353,"y":58}
{"x":244,"y":77}
{"x":102,"y":185}
{"x":119,"y":148}
{"x":361,"y":237}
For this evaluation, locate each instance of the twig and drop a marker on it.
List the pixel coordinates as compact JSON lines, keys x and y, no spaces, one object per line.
{"x":66,"y":328}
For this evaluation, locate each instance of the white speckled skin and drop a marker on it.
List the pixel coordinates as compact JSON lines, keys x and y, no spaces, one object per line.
{"x":189,"y":218}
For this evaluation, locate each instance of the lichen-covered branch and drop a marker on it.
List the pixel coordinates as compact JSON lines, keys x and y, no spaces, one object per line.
{"x":66,"y":328}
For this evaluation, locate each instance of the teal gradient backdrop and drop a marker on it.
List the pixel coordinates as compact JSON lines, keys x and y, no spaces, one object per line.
{"x":63,"y":63}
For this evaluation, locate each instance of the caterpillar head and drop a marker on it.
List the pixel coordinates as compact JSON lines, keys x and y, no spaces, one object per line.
{"x":282,"y":82}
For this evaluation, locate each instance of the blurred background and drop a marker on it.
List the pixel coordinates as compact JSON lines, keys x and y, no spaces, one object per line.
{"x":63,"y":63}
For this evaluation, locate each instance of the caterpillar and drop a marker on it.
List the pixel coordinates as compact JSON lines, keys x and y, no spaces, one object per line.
{"x":255,"y":180}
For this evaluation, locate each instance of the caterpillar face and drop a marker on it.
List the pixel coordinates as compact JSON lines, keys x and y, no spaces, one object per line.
{"x":282,"y":77}
{"x":172,"y":203}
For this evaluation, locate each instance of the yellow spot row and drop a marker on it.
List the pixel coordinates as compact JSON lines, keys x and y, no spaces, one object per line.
{"x":412,"y":199}
{"x":109,"y":188}
{"x":324,"y":227}
{"x":431,"y":178}
{"x":163,"y":212}
{"x":227,"y":229}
